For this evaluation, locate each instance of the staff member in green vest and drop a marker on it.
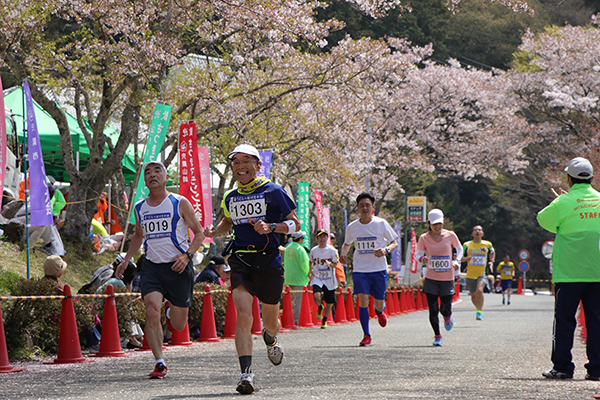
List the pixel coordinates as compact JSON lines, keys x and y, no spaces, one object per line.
{"x":575,"y":218}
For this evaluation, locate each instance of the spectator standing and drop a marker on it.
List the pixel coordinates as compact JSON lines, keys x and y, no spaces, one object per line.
{"x":574,"y":217}
{"x":296,"y":267}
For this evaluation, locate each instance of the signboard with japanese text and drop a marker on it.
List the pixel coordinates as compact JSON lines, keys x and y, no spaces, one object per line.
{"x":319,"y":208}
{"x":190,"y":184}
{"x":416,"y":209}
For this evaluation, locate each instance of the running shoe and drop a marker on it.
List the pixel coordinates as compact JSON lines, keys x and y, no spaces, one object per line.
{"x":169,"y":326}
{"x":448,"y":323}
{"x":160,"y":371}
{"x":320,"y":312}
{"x":366,"y":341}
{"x":504,"y":301}
{"x":324,"y":325}
{"x":246,"y":384}
{"x":508,"y":303}
{"x":554,"y":374}
{"x":382,"y":318}
{"x":478,"y":315}
{"x":437,"y":341}
{"x":274,"y":350}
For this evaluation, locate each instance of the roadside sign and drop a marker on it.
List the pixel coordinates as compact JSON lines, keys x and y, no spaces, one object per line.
{"x":547,"y":248}
{"x":523,"y":254}
{"x":524,"y":266}
{"x":416,"y":208}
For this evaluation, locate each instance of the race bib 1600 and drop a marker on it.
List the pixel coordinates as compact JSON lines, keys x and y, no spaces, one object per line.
{"x":365,"y":244}
{"x":439,"y":263}
{"x":248,"y":209}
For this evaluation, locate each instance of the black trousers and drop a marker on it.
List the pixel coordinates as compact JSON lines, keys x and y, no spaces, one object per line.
{"x":566,"y":300}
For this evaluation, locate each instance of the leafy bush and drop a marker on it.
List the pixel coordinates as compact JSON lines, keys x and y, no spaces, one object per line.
{"x":35,"y":324}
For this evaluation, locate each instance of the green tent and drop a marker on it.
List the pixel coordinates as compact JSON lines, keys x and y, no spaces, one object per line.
{"x":50,"y":138}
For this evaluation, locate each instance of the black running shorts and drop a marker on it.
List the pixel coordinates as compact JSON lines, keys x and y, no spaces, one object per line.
{"x":266,"y":283}
{"x":175,"y":287}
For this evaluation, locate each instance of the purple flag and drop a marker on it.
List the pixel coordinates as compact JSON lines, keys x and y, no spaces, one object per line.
{"x":265,"y":168}
{"x":397,"y":253}
{"x":39,"y":198}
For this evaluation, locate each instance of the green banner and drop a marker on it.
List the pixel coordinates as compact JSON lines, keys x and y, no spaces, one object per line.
{"x":158,"y":130}
{"x":304,"y":211}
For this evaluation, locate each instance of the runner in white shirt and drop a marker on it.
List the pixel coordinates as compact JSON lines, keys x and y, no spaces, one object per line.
{"x":373,"y":239}
{"x":323,"y":259}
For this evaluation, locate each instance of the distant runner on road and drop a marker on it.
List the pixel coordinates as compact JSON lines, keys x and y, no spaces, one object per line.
{"x":373,"y":239}
{"x":437,"y":246}
{"x":476,"y":254}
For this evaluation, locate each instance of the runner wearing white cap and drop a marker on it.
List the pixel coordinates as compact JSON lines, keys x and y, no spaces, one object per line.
{"x":434,"y":250}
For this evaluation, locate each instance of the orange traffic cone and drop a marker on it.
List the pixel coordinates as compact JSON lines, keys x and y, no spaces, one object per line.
{"x":350,"y":307}
{"x":182,"y":338}
{"x":419,"y":302}
{"x":396,"y":301}
{"x":456,"y":292}
{"x":330,"y":320}
{"x":402,"y":301}
{"x":305,"y":319}
{"x":520,"y":286}
{"x":69,"y":348}
{"x":372,"y":307}
{"x":340,"y":309}
{"x":110,"y":341}
{"x":5,"y":367}
{"x":230,"y":318}
{"x":257,"y":321}
{"x":424,"y":302}
{"x":287,"y":314}
{"x":413,"y":306}
{"x":208,"y":329}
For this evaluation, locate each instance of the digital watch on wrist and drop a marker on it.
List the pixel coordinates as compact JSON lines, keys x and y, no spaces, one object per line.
{"x":273,"y":226}
{"x":190,"y":255}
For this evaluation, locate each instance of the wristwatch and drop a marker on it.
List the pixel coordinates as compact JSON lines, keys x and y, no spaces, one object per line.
{"x":387,"y":250}
{"x":190,"y":255}
{"x":273,"y":226}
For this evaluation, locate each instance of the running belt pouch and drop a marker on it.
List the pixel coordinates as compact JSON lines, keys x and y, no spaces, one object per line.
{"x":257,"y":260}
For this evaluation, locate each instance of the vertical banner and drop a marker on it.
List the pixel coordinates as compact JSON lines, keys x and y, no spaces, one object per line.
{"x":266,"y":159}
{"x":304,"y":211}
{"x":204,"y":159}
{"x":39,"y":198}
{"x":3,"y":148}
{"x":189,"y":169}
{"x":158,"y":130}
{"x":397,"y":253}
{"x":327,"y":222}
{"x":319,"y":208}
{"x":413,"y":250}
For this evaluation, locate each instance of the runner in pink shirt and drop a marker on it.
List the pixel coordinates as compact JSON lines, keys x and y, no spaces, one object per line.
{"x":434,"y":250}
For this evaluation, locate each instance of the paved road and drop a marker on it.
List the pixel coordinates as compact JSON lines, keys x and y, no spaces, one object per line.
{"x":501,"y":357}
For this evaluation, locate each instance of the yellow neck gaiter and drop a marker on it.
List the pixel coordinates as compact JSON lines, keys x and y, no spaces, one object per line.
{"x":253,"y":185}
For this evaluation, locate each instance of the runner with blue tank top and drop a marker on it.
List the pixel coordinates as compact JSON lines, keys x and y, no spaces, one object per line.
{"x":258,"y":211}
{"x":162,"y":221}
{"x":373,"y":239}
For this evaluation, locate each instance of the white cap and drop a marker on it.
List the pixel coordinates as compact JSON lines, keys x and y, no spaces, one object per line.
{"x":245,"y":149}
{"x":155,"y":162}
{"x":297,"y":235}
{"x":435,"y":216}
{"x":580,"y":168}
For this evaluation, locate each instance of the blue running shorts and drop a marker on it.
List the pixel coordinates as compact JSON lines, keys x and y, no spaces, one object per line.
{"x":373,"y":283}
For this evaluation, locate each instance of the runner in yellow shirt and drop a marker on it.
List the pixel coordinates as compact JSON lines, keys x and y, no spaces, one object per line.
{"x":506,"y":269}
{"x":476,"y":255}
